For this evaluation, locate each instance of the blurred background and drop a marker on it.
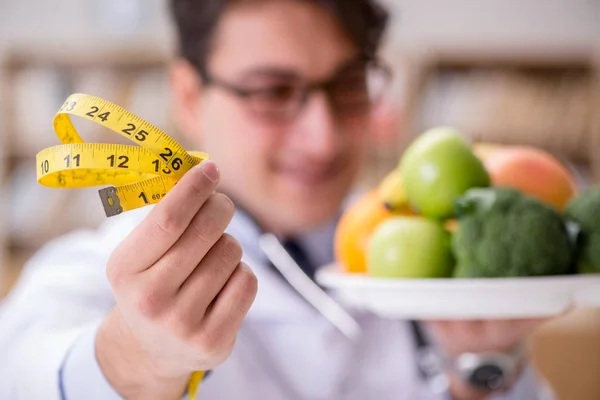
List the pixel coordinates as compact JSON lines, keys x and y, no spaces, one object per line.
{"x":506,"y":71}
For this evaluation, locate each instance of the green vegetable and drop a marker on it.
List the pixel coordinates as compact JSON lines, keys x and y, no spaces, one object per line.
{"x":505,"y":233}
{"x":584,"y":209}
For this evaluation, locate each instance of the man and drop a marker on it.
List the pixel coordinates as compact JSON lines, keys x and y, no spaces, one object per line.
{"x":132,"y":310}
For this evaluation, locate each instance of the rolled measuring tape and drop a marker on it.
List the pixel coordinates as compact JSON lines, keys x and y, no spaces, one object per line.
{"x":138,"y":175}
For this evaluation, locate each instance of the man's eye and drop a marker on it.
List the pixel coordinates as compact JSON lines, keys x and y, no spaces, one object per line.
{"x":357,"y":83}
{"x":353,"y":88}
{"x":277,"y":93}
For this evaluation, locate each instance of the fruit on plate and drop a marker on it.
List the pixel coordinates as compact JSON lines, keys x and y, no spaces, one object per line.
{"x":584,"y":209}
{"x":532,"y":171}
{"x":484,"y":150}
{"x":505,"y":233}
{"x":354,"y":230}
{"x":438,"y":167}
{"x":410,"y":247}
{"x":392,"y":193}
{"x":451,"y":225}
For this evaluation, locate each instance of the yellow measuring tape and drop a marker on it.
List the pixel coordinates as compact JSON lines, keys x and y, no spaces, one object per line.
{"x":141,"y":175}
{"x":138,"y":175}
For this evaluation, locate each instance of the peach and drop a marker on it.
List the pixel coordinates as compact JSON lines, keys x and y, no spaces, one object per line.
{"x":534,"y":172}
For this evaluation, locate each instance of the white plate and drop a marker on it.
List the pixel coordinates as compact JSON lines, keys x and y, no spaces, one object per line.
{"x":455,"y":299}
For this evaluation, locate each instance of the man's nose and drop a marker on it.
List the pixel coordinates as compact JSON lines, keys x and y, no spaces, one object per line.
{"x":317,"y":126}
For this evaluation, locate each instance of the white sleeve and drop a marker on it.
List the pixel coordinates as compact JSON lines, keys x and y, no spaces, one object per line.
{"x":80,"y":376}
{"x":48,"y":321}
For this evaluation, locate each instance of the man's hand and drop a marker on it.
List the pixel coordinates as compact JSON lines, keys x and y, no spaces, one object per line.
{"x":181,"y":292}
{"x":457,"y":337}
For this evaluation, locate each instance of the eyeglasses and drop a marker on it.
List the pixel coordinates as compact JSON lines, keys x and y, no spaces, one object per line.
{"x":353,"y":89}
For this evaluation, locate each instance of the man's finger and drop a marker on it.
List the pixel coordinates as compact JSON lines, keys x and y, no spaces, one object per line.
{"x":202,"y":233}
{"x":168,"y":220}
{"x":207,"y":280}
{"x":225,"y":316}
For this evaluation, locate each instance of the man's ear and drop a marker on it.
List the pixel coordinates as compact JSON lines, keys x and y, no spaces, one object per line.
{"x":186,"y":90}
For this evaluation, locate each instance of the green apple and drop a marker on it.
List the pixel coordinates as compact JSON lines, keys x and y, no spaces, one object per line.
{"x":410,"y":247}
{"x":438,"y":167}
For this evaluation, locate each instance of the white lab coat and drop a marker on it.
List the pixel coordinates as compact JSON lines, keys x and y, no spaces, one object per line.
{"x":285,"y":350}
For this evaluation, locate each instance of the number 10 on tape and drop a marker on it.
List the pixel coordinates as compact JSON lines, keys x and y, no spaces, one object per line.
{"x":140,"y":174}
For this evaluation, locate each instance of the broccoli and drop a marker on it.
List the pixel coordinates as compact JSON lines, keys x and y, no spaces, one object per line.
{"x":584,"y":210}
{"x":505,"y":233}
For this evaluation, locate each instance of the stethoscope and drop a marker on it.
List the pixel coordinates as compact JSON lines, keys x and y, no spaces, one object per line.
{"x":278,"y":256}
{"x":307,"y":288}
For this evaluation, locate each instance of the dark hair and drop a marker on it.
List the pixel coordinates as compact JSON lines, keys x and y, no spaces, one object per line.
{"x":196,"y":20}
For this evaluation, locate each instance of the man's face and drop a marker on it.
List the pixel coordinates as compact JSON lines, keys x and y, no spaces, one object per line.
{"x":290,"y":170}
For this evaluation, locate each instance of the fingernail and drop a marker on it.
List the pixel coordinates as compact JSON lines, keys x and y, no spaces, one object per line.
{"x":210,"y":170}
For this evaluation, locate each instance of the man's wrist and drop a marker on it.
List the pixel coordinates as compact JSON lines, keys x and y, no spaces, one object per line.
{"x":461,"y":390}
{"x":471,"y":375}
{"x":461,"y":386}
{"x":127,"y":368}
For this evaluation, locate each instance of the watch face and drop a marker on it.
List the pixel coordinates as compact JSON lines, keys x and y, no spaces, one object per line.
{"x":488,"y":376}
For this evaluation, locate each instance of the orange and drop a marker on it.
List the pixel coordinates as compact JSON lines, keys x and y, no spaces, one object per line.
{"x":355,"y":228}
{"x":451,"y":225}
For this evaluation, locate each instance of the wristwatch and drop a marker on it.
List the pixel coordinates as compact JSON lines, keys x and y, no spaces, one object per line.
{"x":487,"y":371}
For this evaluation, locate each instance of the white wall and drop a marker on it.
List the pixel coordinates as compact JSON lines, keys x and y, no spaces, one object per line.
{"x":496,"y":23}
{"x":84,"y":24}
{"x":418,"y":23}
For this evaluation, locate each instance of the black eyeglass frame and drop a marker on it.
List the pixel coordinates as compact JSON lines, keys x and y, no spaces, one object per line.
{"x":306,"y":89}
